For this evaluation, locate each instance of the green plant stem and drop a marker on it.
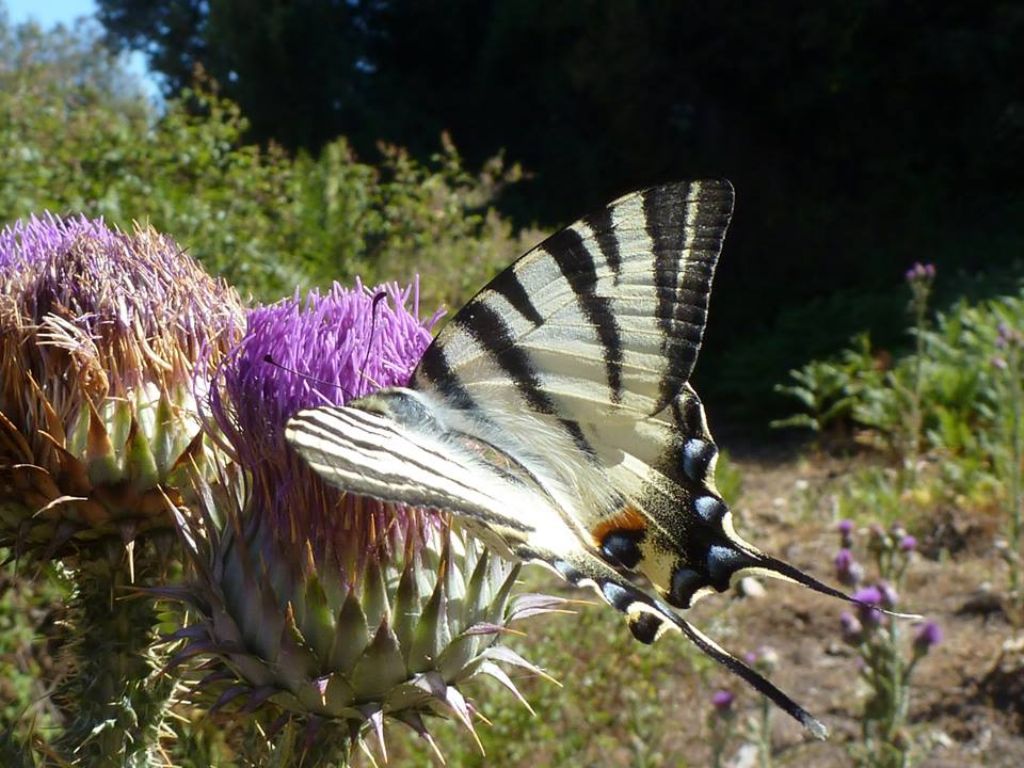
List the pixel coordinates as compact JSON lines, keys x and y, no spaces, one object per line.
{"x":764,"y":736}
{"x":916,"y":419}
{"x":116,"y":696}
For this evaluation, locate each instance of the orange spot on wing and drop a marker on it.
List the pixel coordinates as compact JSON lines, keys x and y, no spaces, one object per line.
{"x":629,"y":518}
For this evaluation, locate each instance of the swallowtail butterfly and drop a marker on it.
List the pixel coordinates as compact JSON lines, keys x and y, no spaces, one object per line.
{"x":554,"y":414}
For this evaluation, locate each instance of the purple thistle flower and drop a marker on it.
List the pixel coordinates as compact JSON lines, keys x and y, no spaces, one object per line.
{"x":845,"y":528}
{"x":848,"y":570}
{"x":325,"y":349}
{"x":843,"y":560}
{"x":928,"y":636}
{"x":908,"y":543}
{"x":868,"y":596}
{"x":920,"y":273}
{"x":100,"y":332}
{"x":344,"y":607}
{"x":722,"y":700}
{"x":867,"y":599}
{"x":132,"y":307}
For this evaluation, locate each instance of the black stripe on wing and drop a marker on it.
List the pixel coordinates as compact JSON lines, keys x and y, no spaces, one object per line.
{"x":683,"y":269}
{"x":507,"y":284}
{"x":648,"y":618}
{"x":577,"y":265}
{"x":434,"y":367}
{"x":494,"y":335}
{"x":603,"y":228}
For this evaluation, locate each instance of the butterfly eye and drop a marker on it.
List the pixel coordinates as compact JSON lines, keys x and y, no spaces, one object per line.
{"x":685,"y":581}
{"x":622,"y":548}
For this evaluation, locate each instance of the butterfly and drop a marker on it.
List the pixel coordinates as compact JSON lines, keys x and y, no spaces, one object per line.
{"x":555,"y":416}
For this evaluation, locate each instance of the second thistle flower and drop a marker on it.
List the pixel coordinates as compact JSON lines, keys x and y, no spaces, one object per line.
{"x":326,"y":610}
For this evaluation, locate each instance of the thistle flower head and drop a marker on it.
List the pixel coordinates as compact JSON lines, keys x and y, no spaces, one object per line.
{"x":845,"y":529}
{"x":99,"y":334}
{"x":889,"y":595}
{"x":927,"y":637}
{"x":908,"y":543}
{"x":325,"y":349}
{"x":868,"y":599}
{"x":331,"y":610}
{"x":920,"y":273}
{"x":722,"y":701}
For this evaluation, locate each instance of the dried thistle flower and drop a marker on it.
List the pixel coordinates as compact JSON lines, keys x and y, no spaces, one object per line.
{"x":99,"y":333}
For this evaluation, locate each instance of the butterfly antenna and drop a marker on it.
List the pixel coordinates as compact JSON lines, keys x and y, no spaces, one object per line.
{"x":377,"y":299}
{"x":269,"y":360}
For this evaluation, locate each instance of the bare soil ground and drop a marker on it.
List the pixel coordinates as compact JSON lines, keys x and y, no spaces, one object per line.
{"x":968,"y":694}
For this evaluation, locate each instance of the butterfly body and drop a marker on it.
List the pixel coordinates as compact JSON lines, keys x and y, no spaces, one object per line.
{"x":554,"y":414}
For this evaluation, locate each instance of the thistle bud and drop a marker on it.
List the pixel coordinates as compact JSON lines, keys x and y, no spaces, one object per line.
{"x":927,"y":637}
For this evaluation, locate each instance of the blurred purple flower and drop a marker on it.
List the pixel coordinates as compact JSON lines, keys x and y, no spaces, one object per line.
{"x":999,"y":363}
{"x":848,"y":570}
{"x":888,"y":594}
{"x":845,"y":528}
{"x":722,"y":700}
{"x":908,"y":543}
{"x":868,"y":598}
{"x":920,"y":272}
{"x":928,"y":636}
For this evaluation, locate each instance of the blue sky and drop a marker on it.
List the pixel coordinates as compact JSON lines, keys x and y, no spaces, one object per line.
{"x":48,"y":12}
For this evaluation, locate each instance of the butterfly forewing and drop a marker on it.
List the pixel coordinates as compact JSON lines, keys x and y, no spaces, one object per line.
{"x":606,"y":315}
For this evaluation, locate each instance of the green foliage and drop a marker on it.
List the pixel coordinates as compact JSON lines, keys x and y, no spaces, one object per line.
{"x":829,"y":390}
{"x":948,"y":415}
{"x":74,"y":137}
{"x":728,"y":479}
{"x":959,"y":385}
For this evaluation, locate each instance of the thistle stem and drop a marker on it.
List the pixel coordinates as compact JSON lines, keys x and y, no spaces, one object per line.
{"x":115,"y":697}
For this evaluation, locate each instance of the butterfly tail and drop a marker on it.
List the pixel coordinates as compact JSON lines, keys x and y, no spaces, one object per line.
{"x":649,"y":618}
